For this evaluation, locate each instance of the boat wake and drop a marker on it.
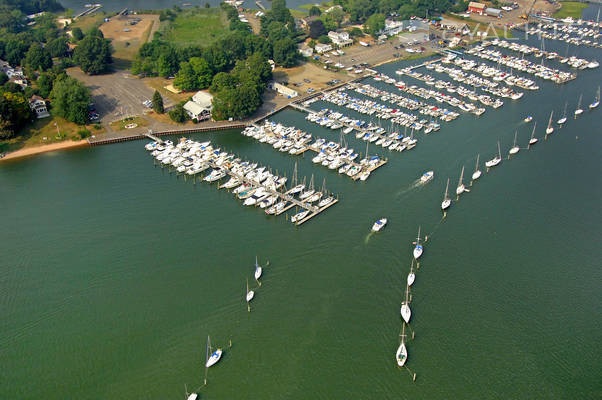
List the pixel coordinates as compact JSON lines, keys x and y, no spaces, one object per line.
{"x":414,"y":185}
{"x":367,"y":238}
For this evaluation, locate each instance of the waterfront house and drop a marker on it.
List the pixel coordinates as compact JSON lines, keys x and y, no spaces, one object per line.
{"x":200,"y":106}
{"x":322,"y":48}
{"x":340,"y":39}
{"x":38,"y":106}
{"x":306,"y":51}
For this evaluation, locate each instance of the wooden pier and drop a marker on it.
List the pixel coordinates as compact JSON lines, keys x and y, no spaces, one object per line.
{"x":88,"y":11}
{"x":311,"y":215}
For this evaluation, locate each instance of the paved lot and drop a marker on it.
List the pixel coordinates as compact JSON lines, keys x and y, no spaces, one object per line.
{"x":117,"y":95}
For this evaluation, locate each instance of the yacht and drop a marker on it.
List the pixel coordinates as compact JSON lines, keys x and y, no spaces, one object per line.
{"x":256,"y":197}
{"x":495,"y":160}
{"x":477,"y":172}
{"x":427,"y":176}
{"x":378,"y":225}
{"x":418,"y":248}
{"x":461,"y":188}
{"x":528,"y":118}
{"x":446,"y":200}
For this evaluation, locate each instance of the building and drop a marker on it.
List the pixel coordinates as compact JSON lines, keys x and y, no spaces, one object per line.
{"x":200,"y":106}
{"x":476,"y":8}
{"x":340,"y":39}
{"x":322,"y":48}
{"x":306,"y":51}
{"x":392,"y":27}
{"x":38,"y":105}
{"x":283,"y":90}
{"x":493,"y":12}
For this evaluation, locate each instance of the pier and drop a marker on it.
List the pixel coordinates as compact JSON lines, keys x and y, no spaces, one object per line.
{"x":88,"y":11}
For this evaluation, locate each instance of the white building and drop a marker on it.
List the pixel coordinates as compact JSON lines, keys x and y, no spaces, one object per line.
{"x":283,"y":90}
{"x":306,"y":51}
{"x":200,"y":106}
{"x":340,"y":39}
{"x":38,"y":105}
{"x":322,"y":48}
{"x":392,"y":27}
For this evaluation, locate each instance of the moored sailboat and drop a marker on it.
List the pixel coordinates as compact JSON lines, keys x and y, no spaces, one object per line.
{"x":406,"y":313}
{"x":477,"y":172}
{"x":418,"y":247}
{"x":563,"y":119}
{"x":402,"y":353}
{"x":258,"y":270}
{"x":514,"y":149}
{"x":495,"y":160}
{"x":533,"y":139}
{"x":250,"y":293}
{"x":579,"y":110}
{"x":411,"y":275}
{"x":215,"y":356}
{"x":461,"y":188}
{"x":596,"y":102}
{"x":550,"y":128}
{"x":446,"y":200}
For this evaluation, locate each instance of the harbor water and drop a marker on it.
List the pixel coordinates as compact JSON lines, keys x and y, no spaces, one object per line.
{"x":114,"y":271}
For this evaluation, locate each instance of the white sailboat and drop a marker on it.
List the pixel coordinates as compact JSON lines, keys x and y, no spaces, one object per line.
{"x":579,"y":110}
{"x":477,"y":172}
{"x":402,"y":353}
{"x":514,"y":148}
{"x":495,"y":160}
{"x":215,"y":356}
{"x":406,"y":313}
{"x":533,"y":139}
{"x":550,"y":128}
{"x":461,"y":188}
{"x":418,"y":248}
{"x":250,"y":293}
{"x":411,"y":275}
{"x":258,"y":270}
{"x":563,"y":119}
{"x":446,"y":200}
{"x":596,"y":102}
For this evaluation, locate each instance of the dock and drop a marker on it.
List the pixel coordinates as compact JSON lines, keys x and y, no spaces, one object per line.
{"x":260,"y":5}
{"x":88,"y":11}
{"x":310,"y":216}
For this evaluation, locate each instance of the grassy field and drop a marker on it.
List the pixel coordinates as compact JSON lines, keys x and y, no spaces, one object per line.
{"x":121,"y":125}
{"x":201,"y":26}
{"x":126,"y":39}
{"x":570,"y":9}
{"x":89,"y":21}
{"x":44,"y":131}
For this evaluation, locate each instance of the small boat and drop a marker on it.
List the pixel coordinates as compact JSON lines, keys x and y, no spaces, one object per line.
{"x":550,"y":128}
{"x":446,"y":200}
{"x":461,"y":188}
{"x":533,"y":139}
{"x":215,"y":356}
{"x":299,"y":216}
{"x":563,"y":119}
{"x":427,"y":176}
{"x":406,"y":313}
{"x":378,"y":225}
{"x":326,"y":201}
{"x":477,"y":172}
{"x":411,"y":275}
{"x":402,"y":353}
{"x":495,"y":160}
{"x":596,"y":102}
{"x":250,"y":293}
{"x":514,"y":148}
{"x":418,"y":248}
{"x":528,"y":118}
{"x":579,"y":110}
{"x":258,"y":270}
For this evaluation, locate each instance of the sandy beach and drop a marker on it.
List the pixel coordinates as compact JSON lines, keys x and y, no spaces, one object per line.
{"x":43,"y":149}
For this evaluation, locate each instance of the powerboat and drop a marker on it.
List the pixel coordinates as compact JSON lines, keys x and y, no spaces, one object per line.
{"x":427,"y":176}
{"x":378,"y":225}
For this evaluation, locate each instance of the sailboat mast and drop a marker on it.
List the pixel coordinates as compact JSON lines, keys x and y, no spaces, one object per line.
{"x":476,"y":168}
{"x":533,"y":131}
{"x":515,"y":133}
{"x":446,"y":189}
{"x":499,"y":151}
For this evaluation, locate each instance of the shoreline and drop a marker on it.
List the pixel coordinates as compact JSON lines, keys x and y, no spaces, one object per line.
{"x":30,"y":151}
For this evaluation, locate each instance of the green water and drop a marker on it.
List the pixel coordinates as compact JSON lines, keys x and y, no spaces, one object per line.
{"x":114,"y":271}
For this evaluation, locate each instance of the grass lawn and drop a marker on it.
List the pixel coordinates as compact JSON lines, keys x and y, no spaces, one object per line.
{"x":570,"y":9}
{"x":121,"y":125}
{"x":201,"y":26}
{"x":159,"y":84}
{"x":88,"y":22}
{"x":44,"y":131}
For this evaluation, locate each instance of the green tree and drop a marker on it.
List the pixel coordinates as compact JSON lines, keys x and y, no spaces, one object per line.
{"x":186,"y":78}
{"x":94,"y":31}
{"x":44,"y":84}
{"x":57,"y":47}
{"x":334,"y":17}
{"x":178,"y":114}
{"x":203,"y":72}
{"x":77,"y":33}
{"x":355,"y":32}
{"x":375,"y":24}
{"x":93,"y":54}
{"x":14,"y":113}
{"x":38,"y":58}
{"x":314,"y":11}
{"x":285,"y":52}
{"x":324,"y":39}
{"x":70,"y":99}
{"x":158,"y":103}
{"x":316,"y":29}
{"x":360,"y":10}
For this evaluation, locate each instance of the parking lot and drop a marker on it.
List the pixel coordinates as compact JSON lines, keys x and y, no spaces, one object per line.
{"x":117,"y":95}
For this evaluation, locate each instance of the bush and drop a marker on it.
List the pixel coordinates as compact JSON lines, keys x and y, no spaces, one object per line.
{"x":324,"y":39}
{"x":83,"y":133}
{"x":97,"y":127}
{"x":178,"y":114}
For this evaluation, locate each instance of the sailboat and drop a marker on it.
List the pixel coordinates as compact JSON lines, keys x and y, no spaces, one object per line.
{"x":309,"y":191}
{"x":579,"y":110}
{"x":477,"y":172}
{"x":550,"y":128}
{"x":295,"y":186}
{"x":495,"y":160}
{"x":258,"y":270}
{"x":215,"y":356}
{"x":596,"y":102}
{"x":533,"y":139}
{"x":446,"y":200}
{"x":418,"y":249}
{"x":514,"y":148}
{"x":406,"y":313}
{"x":411,"y":275}
{"x":461,"y":188}
{"x":402,"y":353}
{"x":563,"y":119}
{"x":250,"y":293}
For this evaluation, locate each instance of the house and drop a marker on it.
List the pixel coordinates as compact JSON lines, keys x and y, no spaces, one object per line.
{"x":322,"y":48}
{"x":283,"y":90}
{"x":476,"y":8}
{"x":200,"y":106}
{"x":306,"y":51}
{"x":392,"y":27}
{"x":38,"y":105}
{"x":340,"y":39}
{"x":493,"y":12}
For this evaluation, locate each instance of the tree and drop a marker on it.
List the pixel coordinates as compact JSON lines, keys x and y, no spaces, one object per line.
{"x":236,"y":103}
{"x":375,"y":24}
{"x":14,"y":113}
{"x":360,"y":10}
{"x":38,"y":58}
{"x":178,"y":114}
{"x":70,"y":99}
{"x":94,"y":31}
{"x":77,"y":33}
{"x":324,"y":39}
{"x":314,"y":11}
{"x":203,"y":72}
{"x":57,"y":47}
{"x":44,"y":84}
{"x":334,"y":16}
{"x":355,"y":32}
{"x":3,"y":78}
{"x":316,"y":29}
{"x":223,"y":80}
{"x":93,"y":54}
{"x":185,"y":78}
{"x":285,"y":52}
{"x":158,"y":103}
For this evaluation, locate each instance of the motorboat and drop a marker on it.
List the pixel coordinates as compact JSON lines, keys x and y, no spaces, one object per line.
{"x":528,"y":118}
{"x":427,"y":176}
{"x":378,"y":225}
